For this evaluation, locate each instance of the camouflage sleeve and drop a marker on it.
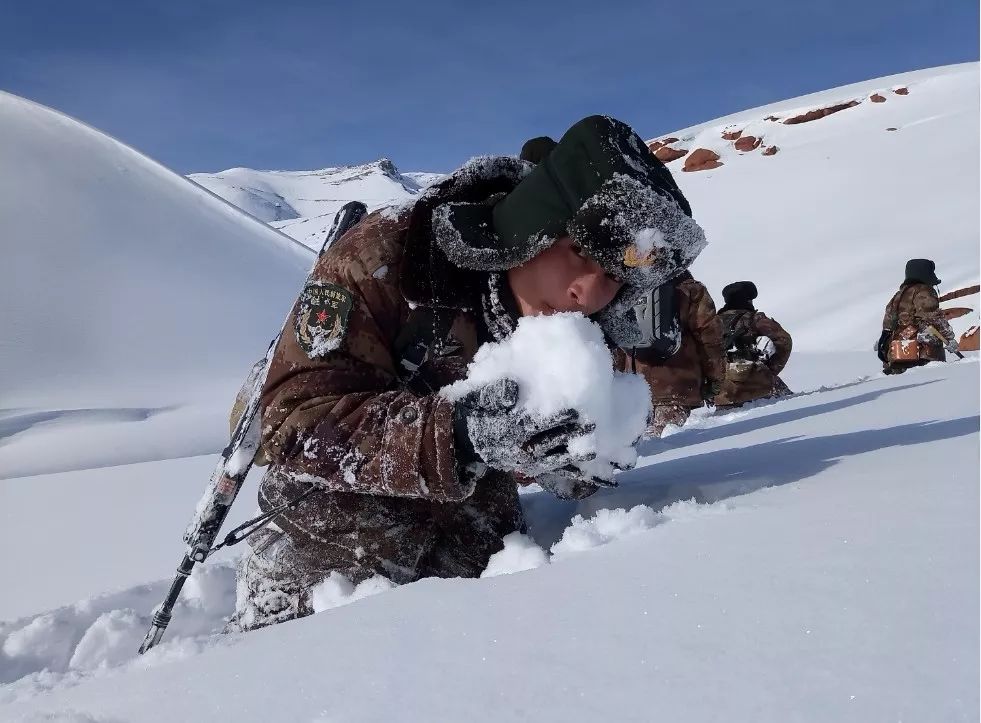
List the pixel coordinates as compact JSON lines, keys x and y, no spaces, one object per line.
{"x":332,"y":408}
{"x":926,"y":306}
{"x":707,"y":330}
{"x":765,"y":326}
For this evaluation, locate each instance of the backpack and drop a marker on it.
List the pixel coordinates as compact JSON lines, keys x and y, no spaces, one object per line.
{"x":660,"y":323}
{"x":739,"y":337}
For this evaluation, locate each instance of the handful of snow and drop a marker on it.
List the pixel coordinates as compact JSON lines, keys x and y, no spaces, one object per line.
{"x":561,"y":362}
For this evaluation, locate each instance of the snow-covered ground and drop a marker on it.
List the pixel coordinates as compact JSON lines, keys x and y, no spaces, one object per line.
{"x":811,"y":559}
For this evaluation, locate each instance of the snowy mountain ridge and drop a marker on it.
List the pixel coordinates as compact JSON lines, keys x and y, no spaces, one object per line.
{"x":302,"y":204}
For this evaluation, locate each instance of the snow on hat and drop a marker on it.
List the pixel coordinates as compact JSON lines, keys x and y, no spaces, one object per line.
{"x":604,"y":188}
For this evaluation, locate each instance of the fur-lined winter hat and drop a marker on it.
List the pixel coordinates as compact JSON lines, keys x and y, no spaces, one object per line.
{"x":604,"y":188}
{"x":535,"y":149}
{"x":740,"y":293}
{"x":922,"y":270}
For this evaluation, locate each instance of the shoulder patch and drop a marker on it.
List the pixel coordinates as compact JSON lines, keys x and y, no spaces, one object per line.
{"x":322,"y":318}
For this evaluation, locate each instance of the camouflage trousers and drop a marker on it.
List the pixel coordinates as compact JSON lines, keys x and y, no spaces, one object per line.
{"x":275,"y":584}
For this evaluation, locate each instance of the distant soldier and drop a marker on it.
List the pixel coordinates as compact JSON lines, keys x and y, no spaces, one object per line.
{"x":757,"y":349}
{"x":914,"y":329}
{"x":687,"y":371}
{"x":535,"y":149}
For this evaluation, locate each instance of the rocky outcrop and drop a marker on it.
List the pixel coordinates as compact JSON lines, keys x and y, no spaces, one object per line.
{"x":969,"y":340}
{"x":748,"y":143}
{"x":731,"y":135}
{"x":876,"y":98}
{"x":770,"y":151}
{"x":702,"y":159}
{"x":817,"y":113}
{"x":901,"y":91}
{"x":666,"y":154}
{"x":654,"y":146}
{"x":892,"y":129}
{"x":956,"y":312}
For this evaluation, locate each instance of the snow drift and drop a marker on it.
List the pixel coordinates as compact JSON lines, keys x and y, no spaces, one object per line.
{"x":126,"y":292}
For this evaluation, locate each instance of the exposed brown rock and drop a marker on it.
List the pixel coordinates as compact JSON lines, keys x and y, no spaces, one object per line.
{"x":812,"y":115}
{"x":770,"y":151}
{"x":961,"y":292}
{"x":956,"y":312}
{"x":666,"y":154}
{"x":901,"y":91}
{"x":876,"y":98}
{"x":748,"y":143}
{"x":969,"y":340}
{"x":731,"y":135}
{"x":660,"y":143}
{"x":702,"y":159}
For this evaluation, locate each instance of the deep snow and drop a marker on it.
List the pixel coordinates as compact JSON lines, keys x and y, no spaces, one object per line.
{"x":815,"y":559}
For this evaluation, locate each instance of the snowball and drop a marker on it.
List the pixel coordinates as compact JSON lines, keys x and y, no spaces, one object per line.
{"x":338,"y":590}
{"x":561,"y":362}
{"x":520,"y":553}
{"x":605,"y":526}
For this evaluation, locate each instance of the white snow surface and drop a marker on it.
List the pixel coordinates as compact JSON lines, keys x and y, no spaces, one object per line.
{"x":132,"y":302}
{"x":829,"y":221}
{"x":816,"y":559}
{"x":561,"y":362}
{"x":812,"y":559}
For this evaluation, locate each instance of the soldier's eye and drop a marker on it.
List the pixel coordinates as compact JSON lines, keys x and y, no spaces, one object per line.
{"x":577,"y":250}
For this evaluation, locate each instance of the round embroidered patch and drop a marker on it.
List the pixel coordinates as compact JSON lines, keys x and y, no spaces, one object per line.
{"x":322,"y":317}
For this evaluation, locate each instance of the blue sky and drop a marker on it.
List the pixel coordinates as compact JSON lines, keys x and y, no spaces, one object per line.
{"x":204,"y":85}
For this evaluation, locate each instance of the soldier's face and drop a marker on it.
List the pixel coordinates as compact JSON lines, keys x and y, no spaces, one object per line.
{"x":561,"y":278}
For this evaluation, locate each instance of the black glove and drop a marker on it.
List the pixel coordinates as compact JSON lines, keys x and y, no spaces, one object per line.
{"x":882,"y":346}
{"x":489,"y":428}
{"x":571,"y":483}
{"x":711,"y":388}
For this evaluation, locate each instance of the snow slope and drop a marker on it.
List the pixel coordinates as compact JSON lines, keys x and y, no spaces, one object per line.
{"x":827,"y":570}
{"x":826,"y":225}
{"x":302,"y":204}
{"x":132,"y":302}
{"x":814,"y":559}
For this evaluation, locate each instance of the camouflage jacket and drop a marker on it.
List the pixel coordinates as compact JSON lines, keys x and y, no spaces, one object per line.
{"x":341,"y":412}
{"x":747,"y":377}
{"x":678,"y":380}
{"x":917,"y":305}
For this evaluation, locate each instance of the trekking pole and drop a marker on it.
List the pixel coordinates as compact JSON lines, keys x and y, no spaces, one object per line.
{"x":950,"y":346}
{"x":233,"y":465}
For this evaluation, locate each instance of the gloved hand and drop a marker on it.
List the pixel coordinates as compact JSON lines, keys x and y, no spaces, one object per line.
{"x":571,"y":483}
{"x":711,"y":388}
{"x":882,"y":346}
{"x":489,"y":427}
